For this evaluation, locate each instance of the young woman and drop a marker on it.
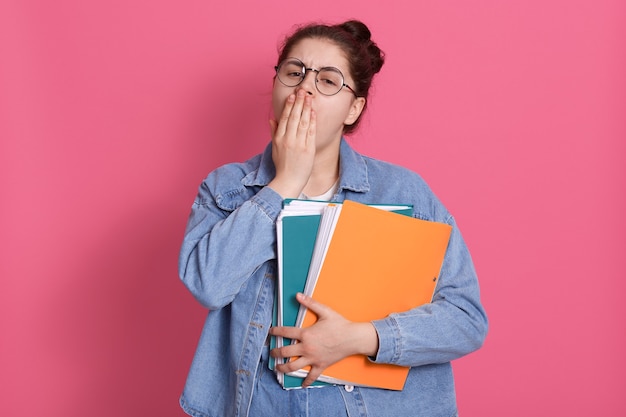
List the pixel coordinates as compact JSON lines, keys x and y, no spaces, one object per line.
{"x":228,"y":256}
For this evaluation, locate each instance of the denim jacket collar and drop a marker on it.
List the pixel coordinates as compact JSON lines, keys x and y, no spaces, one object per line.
{"x":353,"y":170}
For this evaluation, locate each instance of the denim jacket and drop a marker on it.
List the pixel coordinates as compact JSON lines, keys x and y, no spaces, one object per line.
{"x":228,"y":262}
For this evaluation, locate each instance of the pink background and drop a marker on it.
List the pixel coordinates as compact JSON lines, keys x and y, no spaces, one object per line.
{"x":112,"y":112}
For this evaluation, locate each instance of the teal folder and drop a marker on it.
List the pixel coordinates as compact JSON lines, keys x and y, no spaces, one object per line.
{"x":298,"y":239}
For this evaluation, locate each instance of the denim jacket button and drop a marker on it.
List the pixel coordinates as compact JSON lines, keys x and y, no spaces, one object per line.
{"x":349,"y":388}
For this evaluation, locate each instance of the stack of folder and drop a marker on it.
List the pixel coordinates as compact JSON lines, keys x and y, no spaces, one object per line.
{"x":363,"y":261}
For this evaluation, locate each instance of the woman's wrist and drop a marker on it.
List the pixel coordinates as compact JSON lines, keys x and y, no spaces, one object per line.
{"x":285,"y":190}
{"x":365,"y":340}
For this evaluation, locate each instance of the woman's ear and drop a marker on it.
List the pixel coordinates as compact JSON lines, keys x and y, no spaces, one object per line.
{"x":355,"y":110}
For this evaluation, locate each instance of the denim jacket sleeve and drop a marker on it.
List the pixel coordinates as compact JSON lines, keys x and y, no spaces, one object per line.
{"x":230,"y":233}
{"x":453,"y":325}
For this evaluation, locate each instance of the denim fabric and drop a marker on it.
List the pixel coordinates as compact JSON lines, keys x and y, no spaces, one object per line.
{"x":228,"y":262}
{"x":269,"y":399}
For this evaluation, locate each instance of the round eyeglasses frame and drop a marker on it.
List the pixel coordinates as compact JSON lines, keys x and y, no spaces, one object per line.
{"x":316,"y":71}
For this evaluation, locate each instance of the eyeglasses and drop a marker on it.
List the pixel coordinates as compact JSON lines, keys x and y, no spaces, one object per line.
{"x":328,"y":80}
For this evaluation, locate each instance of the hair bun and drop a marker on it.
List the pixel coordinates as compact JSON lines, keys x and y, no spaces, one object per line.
{"x":361,"y":33}
{"x":357,"y":29}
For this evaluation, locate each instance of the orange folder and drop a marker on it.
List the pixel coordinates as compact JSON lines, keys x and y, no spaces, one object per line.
{"x":377,"y":263}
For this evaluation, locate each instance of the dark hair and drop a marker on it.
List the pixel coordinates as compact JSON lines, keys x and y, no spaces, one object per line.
{"x":364,"y":57}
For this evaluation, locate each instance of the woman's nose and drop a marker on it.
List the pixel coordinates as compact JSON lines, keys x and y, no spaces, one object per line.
{"x":308,"y":84}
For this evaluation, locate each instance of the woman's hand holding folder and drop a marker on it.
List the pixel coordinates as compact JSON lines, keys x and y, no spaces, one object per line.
{"x":329,"y":340}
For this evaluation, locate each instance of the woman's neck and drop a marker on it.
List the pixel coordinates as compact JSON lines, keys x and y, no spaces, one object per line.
{"x":325,"y":172}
